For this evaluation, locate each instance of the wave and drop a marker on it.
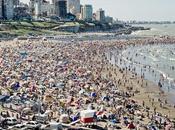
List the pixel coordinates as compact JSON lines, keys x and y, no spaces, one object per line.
{"x":136,"y":32}
{"x":164,"y":75}
{"x":172,"y":59}
{"x":163,"y":57}
{"x":155,"y":29}
{"x":166,"y":58}
{"x":150,"y":57}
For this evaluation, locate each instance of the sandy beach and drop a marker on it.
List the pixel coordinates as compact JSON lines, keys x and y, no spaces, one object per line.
{"x":69,"y":77}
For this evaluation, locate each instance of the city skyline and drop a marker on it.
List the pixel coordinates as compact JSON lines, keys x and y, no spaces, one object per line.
{"x":148,"y":10}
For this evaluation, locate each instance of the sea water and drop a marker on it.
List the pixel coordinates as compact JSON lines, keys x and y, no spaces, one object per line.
{"x":155,"y":63}
{"x":156,"y":30}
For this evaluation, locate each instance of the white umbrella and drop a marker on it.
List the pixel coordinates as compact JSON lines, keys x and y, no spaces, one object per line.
{"x":81,"y":91}
{"x":119,"y":107}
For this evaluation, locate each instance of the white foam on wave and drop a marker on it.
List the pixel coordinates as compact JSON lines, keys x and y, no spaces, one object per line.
{"x":165,"y":75}
{"x":136,"y":32}
{"x":163,"y":57}
{"x":166,"y":58}
{"x":150,"y":57}
{"x":155,"y":29}
{"x":172,"y":59}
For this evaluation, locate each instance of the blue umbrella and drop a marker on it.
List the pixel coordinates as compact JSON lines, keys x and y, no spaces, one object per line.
{"x":16,"y":86}
{"x":74,"y":118}
{"x":93,"y":94}
{"x":23,"y":54}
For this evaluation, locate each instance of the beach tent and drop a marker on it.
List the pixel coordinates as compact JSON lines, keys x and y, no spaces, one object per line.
{"x":168,"y":127}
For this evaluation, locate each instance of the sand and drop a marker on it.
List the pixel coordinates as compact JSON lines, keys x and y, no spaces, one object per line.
{"x":91,"y":56}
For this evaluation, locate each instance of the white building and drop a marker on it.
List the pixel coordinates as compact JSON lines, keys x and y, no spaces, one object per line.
{"x":52,"y":1}
{"x":100,"y":15}
{"x":37,"y":7}
{"x":47,"y":9}
{"x":44,"y":8}
{"x":87,"y":12}
{"x":73,"y":6}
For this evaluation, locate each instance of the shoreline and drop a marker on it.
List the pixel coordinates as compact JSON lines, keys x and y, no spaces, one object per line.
{"x":142,"y":69}
{"x":150,"y":92}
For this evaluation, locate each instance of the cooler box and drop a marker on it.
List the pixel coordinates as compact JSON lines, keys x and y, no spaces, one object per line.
{"x":87,"y":120}
{"x":87,"y":116}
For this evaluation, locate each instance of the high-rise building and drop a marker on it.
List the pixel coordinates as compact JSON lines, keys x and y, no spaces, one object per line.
{"x":61,"y":8}
{"x":32,"y":7}
{"x":52,"y":1}
{"x":109,"y":19}
{"x":37,"y":7}
{"x":100,"y":15}
{"x":47,"y":9}
{"x":1,"y":9}
{"x":81,"y":12}
{"x":8,"y":9}
{"x":16,"y":3}
{"x":87,"y":12}
{"x":73,"y":6}
{"x":42,"y":8}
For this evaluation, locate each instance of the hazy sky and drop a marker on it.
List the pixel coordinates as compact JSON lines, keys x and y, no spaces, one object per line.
{"x":135,"y":9}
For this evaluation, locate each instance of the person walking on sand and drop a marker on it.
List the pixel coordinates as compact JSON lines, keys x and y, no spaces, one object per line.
{"x":131,"y":126}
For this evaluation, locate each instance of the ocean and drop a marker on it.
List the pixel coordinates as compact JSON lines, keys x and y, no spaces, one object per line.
{"x":155,"y":62}
{"x":156,"y":30}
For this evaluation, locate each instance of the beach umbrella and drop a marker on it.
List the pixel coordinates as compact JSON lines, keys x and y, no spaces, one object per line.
{"x":88,"y":72}
{"x":89,"y":107}
{"x":29,"y":59}
{"x":93,"y":94}
{"x":168,"y":127}
{"x":74,"y":118}
{"x":119,"y":107}
{"x":16,"y":86}
{"x":23,"y":54}
{"x":138,"y":112}
{"x":1,"y":62}
{"x":64,"y":118}
{"x":81,"y":91}
{"x":86,"y":86}
{"x":51,"y":80}
{"x":105,"y":98}
{"x":114,"y":121}
{"x":60,"y":85}
{"x":25,"y":110}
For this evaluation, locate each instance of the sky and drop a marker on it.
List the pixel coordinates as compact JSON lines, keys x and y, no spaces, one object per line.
{"x":140,"y":10}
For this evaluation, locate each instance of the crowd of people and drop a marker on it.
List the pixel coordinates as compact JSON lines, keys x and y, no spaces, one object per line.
{"x":68,"y":77}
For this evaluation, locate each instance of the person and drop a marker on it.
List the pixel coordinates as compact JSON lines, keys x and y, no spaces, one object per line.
{"x":106,"y":127}
{"x":143,"y":103}
{"x":131,"y":125}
